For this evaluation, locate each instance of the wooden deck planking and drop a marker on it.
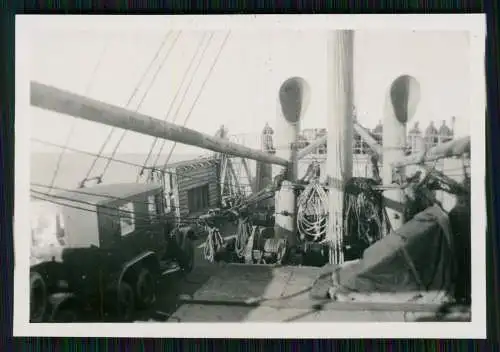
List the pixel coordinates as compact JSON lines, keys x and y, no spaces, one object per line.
{"x":284,"y":295}
{"x":243,"y":282}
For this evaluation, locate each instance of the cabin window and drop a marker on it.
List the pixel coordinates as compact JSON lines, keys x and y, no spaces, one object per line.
{"x":198,"y":199}
{"x":127,"y":219}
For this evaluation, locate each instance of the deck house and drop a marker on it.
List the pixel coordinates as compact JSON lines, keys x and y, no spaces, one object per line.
{"x":192,"y":187}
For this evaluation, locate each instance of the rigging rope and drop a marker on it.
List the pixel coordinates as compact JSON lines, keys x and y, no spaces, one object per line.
{"x":142,"y":100}
{"x":199,"y":94}
{"x":132,"y":96}
{"x":213,"y":243}
{"x":242,"y":235}
{"x":312,"y":213}
{"x":74,"y":191}
{"x":183,"y":98}
{"x":74,"y":122}
{"x":69,"y":202}
{"x":418,"y":194}
{"x":364,"y":216}
{"x":167,"y":115}
{"x":105,"y":157}
{"x":137,"y":215}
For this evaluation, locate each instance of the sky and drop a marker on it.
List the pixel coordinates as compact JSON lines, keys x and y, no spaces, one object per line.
{"x":241,"y":91}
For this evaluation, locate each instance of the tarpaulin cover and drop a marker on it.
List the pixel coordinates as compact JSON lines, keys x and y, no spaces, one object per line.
{"x":418,"y":257}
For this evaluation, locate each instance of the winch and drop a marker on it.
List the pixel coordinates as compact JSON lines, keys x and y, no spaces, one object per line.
{"x":263,"y":217}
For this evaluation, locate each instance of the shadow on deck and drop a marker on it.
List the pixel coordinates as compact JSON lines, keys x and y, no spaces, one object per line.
{"x":260,"y":293}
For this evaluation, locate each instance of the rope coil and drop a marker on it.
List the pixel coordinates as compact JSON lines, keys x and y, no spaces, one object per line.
{"x":364,"y":217}
{"x":213,"y":243}
{"x":242,"y":235}
{"x":312,"y":212}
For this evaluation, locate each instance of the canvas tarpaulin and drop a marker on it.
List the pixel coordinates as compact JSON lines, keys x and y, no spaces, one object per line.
{"x":415,"y":262}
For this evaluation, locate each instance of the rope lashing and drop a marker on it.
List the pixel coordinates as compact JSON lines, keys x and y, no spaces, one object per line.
{"x":242,"y":235}
{"x":364,"y":216}
{"x":213,"y":244}
{"x":312,"y":213}
{"x":248,"y":252}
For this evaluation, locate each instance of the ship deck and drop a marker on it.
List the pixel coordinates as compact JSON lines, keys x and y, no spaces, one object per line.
{"x":261,"y":293}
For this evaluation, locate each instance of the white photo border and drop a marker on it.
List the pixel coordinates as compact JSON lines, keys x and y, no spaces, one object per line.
{"x":474,"y":23}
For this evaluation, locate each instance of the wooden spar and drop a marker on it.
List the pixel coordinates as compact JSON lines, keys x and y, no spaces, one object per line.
{"x":311,"y":147}
{"x":456,"y":147}
{"x":401,"y":102}
{"x":368,"y":139}
{"x":372,"y":143}
{"x":54,"y":99}
{"x":340,"y":132}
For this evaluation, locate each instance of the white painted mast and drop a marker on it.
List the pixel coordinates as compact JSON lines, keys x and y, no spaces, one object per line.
{"x":340,"y":131}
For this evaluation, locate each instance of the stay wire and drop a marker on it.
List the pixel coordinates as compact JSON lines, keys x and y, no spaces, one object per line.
{"x":199,"y":93}
{"x":132,"y":96}
{"x":213,"y":232}
{"x":185,"y":93}
{"x":181,"y":221}
{"x":142,"y":100}
{"x":79,"y":191}
{"x":104,"y":196}
{"x":174,"y":99}
{"x":114,"y":198}
{"x":66,"y":201}
{"x":58,"y":200}
{"x":74,"y":122}
{"x":70,"y":202}
{"x":123,"y":162}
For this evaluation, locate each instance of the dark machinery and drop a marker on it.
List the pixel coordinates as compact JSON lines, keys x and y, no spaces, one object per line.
{"x":255,"y":241}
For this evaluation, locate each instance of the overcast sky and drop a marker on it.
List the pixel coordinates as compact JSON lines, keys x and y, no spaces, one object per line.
{"x":241,"y":92}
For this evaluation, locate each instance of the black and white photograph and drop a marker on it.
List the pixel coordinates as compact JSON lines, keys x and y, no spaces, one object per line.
{"x":250,"y":169}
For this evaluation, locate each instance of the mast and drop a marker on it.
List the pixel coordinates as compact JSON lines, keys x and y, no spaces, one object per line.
{"x":340,"y":131}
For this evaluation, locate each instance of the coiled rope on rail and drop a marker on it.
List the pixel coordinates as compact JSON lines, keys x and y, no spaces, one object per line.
{"x":365,"y":221}
{"x":242,"y":235}
{"x":213,"y":243}
{"x":312,"y":212}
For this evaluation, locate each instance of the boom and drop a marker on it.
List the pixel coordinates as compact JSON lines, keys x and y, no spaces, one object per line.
{"x":64,"y":102}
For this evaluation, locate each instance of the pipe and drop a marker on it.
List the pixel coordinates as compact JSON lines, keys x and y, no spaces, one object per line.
{"x":365,"y":136}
